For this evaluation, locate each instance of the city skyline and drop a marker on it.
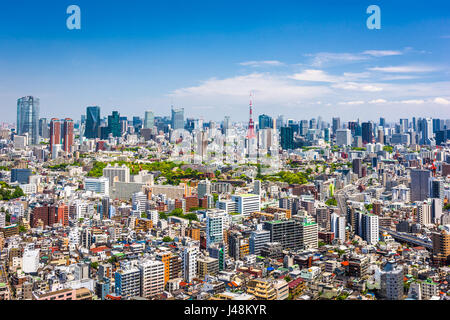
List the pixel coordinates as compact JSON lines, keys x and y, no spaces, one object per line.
{"x":298,"y":59}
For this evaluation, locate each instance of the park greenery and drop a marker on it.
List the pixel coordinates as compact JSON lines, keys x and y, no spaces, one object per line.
{"x":169,"y":170}
{"x":178,"y":213}
{"x":288,"y":177}
{"x":63,"y":166}
{"x":7,"y":192}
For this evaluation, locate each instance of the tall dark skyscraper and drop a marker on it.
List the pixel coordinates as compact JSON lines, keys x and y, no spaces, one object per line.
{"x":114,"y":124}
{"x":367,"y":132}
{"x":287,"y":138}
{"x":137,"y":122}
{"x":265,"y":121}
{"x":43,"y":128}
{"x":420,"y":184}
{"x":28,"y":118}
{"x":382,"y":122}
{"x":92,"y":122}
{"x":68,"y":135}
{"x":336,"y":125}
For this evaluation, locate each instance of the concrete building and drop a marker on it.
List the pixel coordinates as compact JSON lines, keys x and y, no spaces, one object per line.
{"x":152,"y":278}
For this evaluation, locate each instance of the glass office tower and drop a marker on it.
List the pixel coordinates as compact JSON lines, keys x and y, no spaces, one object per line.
{"x":92,"y":122}
{"x":28,"y":118}
{"x":149,"y":120}
{"x":177,"y":119}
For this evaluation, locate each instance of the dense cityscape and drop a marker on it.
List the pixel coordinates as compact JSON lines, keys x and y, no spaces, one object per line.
{"x":174,"y":208}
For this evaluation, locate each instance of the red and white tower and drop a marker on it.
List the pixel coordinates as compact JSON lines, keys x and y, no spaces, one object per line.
{"x":251,"y":125}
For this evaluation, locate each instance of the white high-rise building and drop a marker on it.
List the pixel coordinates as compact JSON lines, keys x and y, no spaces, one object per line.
{"x":338,"y":227}
{"x":247,"y":204}
{"x":215,"y":225}
{"x":153,"y":215}
{"x":152,"y":278}
{"x":424,"y":214}
{"x":97,"y":185}
{"x":139,"y":201}
{"x":343,"y":137}
{"x":228,"y":206}
{"x":74,"y":239}
{"x":116,"y":173}
{"x":371,"y":231}
{"x":30,"y":262}
{"x":2,"y":219}
{"x":189,"y":259}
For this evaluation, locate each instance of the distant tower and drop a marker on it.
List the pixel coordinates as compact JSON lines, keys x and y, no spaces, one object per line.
{"x":251,"y":125}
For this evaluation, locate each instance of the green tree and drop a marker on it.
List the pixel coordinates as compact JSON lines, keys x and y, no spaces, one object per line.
{"x":332,"y":202}
{"x":167,"y":239}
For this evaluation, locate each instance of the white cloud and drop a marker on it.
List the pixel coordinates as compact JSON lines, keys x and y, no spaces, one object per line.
{"x":404,"y":69}
{"x":352,"y":103}
{"x":314,"y":75}
{"x":392,"y":78}
{"x":273,"y":63}
{"x":322,"y":58}
{"x":267,"y":89}
{"x":356,"y":75}
{"x":413,"y":101}
{"x":442,"y":101}
{"x":357,"y":86}
{"x":377,"y":101}
{"x":382,"y":53}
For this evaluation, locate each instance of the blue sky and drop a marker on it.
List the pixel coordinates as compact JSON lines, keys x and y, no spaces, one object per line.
{"x":302,"y":59}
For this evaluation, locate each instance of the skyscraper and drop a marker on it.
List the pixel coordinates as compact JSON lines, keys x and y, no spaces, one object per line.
{"x":68,"y":135}
{"x":265,"y":121}
{"x":338,"y":227}
{"x":426,"y":131}
{"x":177,"y":118}
{"x":280,"y":122}
{"x":336,"y":124}
{"x":226,"y":125}
{"x":149,"y":120}
{"x":287,"y":138}
{"x":303,"y":127}
{"x":55,"y":133}
{"x":419,"y":184}
{"x":43,"y":128}
{"x":28,"y":118}
{"x":367,"y":132}
{"x":343,"y":137}
{"x":114,"y":124}
{"x":92,"y":122}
